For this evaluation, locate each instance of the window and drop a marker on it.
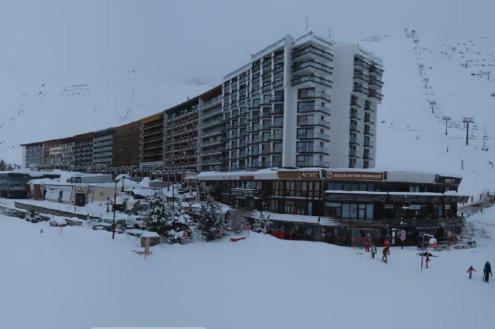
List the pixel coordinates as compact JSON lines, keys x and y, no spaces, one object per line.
{"x":305,"y":106}
{"x":345,"y":210}
{"x":353,"y":210}
{"x":306,"y":93}
{"x":369,"y":211}
{"x":362,"y":211}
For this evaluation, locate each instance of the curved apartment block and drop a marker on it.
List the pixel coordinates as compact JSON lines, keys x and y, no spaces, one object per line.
{"x":298,"y":103}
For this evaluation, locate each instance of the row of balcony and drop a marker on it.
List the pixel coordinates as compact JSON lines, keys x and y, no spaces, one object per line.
{"x":297,"y":80}
{"x":313,"y":135}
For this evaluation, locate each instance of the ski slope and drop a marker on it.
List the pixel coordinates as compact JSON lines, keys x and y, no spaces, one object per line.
{"x":409,"y":135}
{"x":80,"y":278}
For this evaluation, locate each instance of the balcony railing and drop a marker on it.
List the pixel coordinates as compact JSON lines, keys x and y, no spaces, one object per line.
{"x":311,"y":65}
{"x":313,"y":122}
{"x":312,"y":149}
{"x":361,"y":76}
{"x":315,"y":108}
{"x":312,"y":78}
{"x":353,"y":141}
{"x":376,"y":69}
{"x":375,"y":94}
{"x":360,"y":89}
{"x":309,"y":51}
{"x":313,"y":163}
{"x":376,"y":82}
{"x":354,"y":129}
{"x":316,"y":94}
{"x":313,"y":135}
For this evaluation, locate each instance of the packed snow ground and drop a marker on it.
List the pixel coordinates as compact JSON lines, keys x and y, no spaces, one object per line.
{"x":79,"y":278}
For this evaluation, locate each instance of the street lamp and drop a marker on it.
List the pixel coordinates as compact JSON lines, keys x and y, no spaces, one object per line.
{"x":114,"y":208}
{"x":115,"y":203}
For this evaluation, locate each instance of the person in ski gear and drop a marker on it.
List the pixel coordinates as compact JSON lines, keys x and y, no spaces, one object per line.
{"x":470,"y":271}
{"x":373,"y":251}
{"x":487,"y":272}
{"x":386,"y":252}
{"x":367,"y":246}
{"x":427,"y":259}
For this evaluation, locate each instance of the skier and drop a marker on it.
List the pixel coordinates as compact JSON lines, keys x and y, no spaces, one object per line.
{"x":386,"y":243}
{"x":367,"y":246}
{"x":386,"y":252}
{"x":41,"y":231}
{"x":487,"y":271}
{"x":470,"y":271}
{"x":373,"y":251}
{"x":427,"y":259}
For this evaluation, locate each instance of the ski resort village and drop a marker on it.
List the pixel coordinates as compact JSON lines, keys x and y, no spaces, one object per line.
{"x":293,"y":177}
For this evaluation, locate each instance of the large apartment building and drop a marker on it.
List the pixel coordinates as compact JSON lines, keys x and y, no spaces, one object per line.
{"x":298,"y":103}
{"x":303,"y":103}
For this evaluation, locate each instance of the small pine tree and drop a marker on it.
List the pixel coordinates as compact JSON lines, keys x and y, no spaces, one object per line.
{"x":180,"y":228}
{"x":169,"y":221}
{"x":211,"y":223}
{"x":157,"y":216}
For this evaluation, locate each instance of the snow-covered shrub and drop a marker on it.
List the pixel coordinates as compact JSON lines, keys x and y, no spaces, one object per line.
{"x":169,"y":220}
{"x":211,"y":222}
{"x":262,"y":225}
{"x":236,"y":221}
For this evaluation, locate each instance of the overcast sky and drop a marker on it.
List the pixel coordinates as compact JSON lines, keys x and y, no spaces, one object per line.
{"x":134,"y":54}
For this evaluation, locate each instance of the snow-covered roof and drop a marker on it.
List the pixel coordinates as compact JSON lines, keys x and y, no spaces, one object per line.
{"x":274,"y":173}
{"x":32,"y":173}
{"x":324,"y":221}
{"x":236,"y":175}
{"x":448,"y":193}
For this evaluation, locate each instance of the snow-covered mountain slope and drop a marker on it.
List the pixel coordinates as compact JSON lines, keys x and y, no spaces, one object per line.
{"x":432,"y":70}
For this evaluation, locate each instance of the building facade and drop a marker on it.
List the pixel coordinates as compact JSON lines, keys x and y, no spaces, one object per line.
{"x":103,"y":149}
{"x":361,"y":201}
{"x":303,"y":103}
{"x":181,"y":136}
{"x":152,"y":141}
{"x":83,"y":151}
{"x":211,"y":130}
{"x":298,"y":103}
{"x":357,"y":96}
{"x":126,"y":150}
{"x":33,"y":155}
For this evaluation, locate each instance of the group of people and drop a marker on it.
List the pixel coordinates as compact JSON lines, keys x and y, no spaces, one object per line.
{"x":371,"y":248}
{"x":487,"y":272}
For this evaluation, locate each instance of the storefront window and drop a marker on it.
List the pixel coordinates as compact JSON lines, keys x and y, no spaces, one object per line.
{"x":353,"y":210}
{"x":362,"y":211}
{"x":369,"y":211}
{"x":345,"y":210}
